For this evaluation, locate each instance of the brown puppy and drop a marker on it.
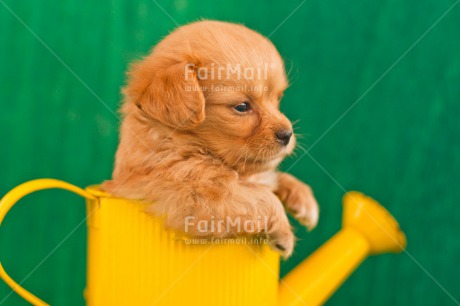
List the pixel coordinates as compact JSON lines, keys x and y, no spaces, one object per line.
{"x":202,"y":136}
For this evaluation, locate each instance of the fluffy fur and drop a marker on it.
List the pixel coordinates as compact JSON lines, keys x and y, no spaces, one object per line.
{"x":186,"y":149}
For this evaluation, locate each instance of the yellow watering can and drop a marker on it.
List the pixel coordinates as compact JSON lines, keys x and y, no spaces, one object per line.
{"x":133,"y":260}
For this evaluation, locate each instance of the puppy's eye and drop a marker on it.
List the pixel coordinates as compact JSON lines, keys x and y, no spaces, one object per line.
{"x":242,"y":108}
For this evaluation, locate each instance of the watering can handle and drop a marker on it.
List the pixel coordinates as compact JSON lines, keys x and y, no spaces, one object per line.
{"x":10,"y":199}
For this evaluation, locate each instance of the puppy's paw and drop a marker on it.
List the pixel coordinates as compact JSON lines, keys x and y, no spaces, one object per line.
{"x":299,"y":200}
{"x":303,"y":206}
{"x":282,"y":242}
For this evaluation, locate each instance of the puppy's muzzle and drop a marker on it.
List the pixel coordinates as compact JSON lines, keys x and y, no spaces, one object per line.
{"x":283,"y":136}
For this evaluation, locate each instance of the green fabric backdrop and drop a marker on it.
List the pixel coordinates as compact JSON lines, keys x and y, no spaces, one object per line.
{"x":60,"y":61}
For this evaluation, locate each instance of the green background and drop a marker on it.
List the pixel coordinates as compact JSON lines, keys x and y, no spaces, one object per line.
{"x":399,"y":143}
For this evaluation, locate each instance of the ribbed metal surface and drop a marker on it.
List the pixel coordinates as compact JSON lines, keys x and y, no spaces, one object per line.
{"x":132,"y":260}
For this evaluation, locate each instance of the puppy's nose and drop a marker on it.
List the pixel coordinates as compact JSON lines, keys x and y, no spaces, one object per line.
{"x":283,"y":136}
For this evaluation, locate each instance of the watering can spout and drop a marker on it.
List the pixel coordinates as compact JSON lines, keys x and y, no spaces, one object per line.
{"x":367,"y":229}
{"x":374,"y":222}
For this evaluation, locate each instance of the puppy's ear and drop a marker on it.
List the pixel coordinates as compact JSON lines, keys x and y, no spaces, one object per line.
{"x":167,"y":91}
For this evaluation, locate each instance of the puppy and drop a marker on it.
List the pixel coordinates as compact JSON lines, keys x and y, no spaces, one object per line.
{"x":202,"y":136}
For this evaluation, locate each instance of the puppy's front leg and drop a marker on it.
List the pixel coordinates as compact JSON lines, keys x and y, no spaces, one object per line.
{"x":228,"y":208}
{"x":298,"y":199}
